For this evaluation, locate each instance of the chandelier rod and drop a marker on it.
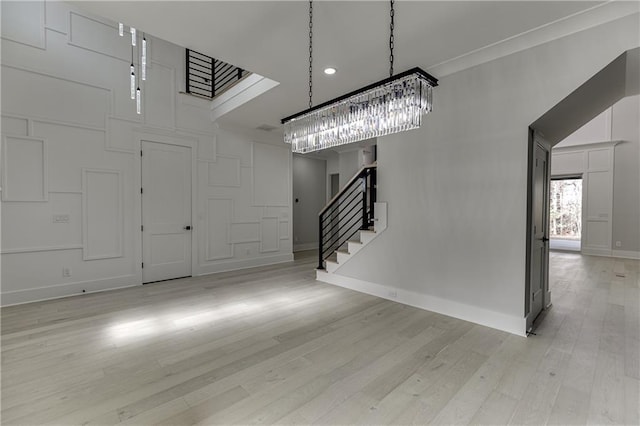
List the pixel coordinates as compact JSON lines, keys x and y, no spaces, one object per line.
{"x":392,"y":13}
{"x":310,"y":53}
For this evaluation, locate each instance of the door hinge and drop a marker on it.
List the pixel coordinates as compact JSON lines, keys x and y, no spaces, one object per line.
{"x":140,"y":153}
{"x":141,"y":191}
{"x":142,"y":265}
{"x":141,"y":228}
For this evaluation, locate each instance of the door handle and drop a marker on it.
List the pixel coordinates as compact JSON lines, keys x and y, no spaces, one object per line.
{"x":545,"y":239}
{"x":187,"y":228}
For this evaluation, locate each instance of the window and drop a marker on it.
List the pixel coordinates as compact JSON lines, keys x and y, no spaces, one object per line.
{"x":566,"y":209}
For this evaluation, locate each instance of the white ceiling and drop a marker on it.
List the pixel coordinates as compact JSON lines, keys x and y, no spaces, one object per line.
{"x":271,"y":39}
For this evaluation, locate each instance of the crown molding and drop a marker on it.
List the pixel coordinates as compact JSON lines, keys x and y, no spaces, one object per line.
{"x":589,"y":18}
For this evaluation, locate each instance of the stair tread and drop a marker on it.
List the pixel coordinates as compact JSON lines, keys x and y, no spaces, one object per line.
{"x":342,"y":251}
{"x":354,"y":242}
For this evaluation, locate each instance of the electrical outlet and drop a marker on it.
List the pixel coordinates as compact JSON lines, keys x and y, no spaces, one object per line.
{"x":66,"y":272}
{"x":618,"y":243}
{"x":60,"y":218}
{"x":393,"y":293}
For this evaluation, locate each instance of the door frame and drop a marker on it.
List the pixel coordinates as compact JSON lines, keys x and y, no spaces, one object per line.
{"x":582,"y":201}
{"x":536,"y":139}
{"x":167,"y":138}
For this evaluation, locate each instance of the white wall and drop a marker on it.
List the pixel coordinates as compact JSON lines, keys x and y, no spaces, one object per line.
{"x":626,"y":177}
{"x":456,"y":188}
{"x":348,"y":166}
{"x":309,"y":197}
{"x":622,"y":194}
{"x":66,"y":108}
{"x":597,"y":130}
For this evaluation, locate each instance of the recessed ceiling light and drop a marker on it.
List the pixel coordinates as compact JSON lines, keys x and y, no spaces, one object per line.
{"x":329,"y":71}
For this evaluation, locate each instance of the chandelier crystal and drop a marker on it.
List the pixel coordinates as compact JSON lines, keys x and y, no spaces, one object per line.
{"x":393,"y":105}
{"x":390,"y":106}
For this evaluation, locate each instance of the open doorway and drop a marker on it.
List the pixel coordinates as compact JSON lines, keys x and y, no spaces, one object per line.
{"x":565,"y":213}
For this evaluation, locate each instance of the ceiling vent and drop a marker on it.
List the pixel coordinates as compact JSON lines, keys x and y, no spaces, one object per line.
{"x":266,"y":127}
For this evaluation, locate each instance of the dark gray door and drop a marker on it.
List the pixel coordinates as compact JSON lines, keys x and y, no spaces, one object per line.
{"x":539,"y":244}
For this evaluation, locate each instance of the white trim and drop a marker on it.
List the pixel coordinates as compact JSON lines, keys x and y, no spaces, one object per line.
{"x":590,"y":251}
{"x":238,"y":173}
{"x":585,"y":146}
{"x":305,"y":246}
{"x":68,"y":289}
{"x":43,"y":35}
{"x":287,"y":203}
{"x":580,"y":21}
{"x":109,"y":92}
{"x":85,"y":214}
{"x":207,"y":249}
{"x":109,"y":134}
{"x":284,"y":236}
{"x":39,"y":249}
{"x":45,"y":169}
{"x":174,"y":111}
{"x":244,"y":91}
{"x":234,"y":265}
{"x":277,"y":247}
{"x":626,"y":254}
{"x":246,"y":240}
{"x":497,"y":320}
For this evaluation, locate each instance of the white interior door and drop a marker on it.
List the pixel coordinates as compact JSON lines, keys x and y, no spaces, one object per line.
{"x":166,"y":211}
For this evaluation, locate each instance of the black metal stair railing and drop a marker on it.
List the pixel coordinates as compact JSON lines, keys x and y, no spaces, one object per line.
{"x":350,"y":211}
{"x":209,"y":77}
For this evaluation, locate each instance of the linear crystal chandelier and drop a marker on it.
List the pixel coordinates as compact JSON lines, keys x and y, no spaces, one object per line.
{"x":392,"y":105}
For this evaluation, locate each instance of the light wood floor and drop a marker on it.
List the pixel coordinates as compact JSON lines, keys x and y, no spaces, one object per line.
{"x":272,"y":345}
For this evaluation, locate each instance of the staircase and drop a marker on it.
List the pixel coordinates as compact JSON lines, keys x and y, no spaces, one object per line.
{"x":350,"y":221}
{"x":354,"y":245}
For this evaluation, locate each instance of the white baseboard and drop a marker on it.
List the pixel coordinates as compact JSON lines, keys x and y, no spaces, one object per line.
{"x":305,"y":246}
{"x":497,"y":320}
{"x":233,"y":265}
{"x":68,"y":289}
{"x":626,"y":254}
{"x":596,"y":251}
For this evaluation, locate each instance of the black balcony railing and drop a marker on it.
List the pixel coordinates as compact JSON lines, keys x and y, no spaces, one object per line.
{"x":209,"y":77}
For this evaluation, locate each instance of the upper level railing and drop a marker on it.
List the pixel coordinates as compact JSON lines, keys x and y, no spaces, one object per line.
{"x":347,"y":213}
{"x":209,"y":77}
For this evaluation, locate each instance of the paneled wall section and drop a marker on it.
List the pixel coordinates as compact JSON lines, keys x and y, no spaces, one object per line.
{"x":71,"y":203}
{"x":595,"y":164}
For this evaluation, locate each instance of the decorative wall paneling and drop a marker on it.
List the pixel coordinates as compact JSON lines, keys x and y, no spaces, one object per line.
{"x":67,"y":100}
{"x":218,"y":222}
{"x":102,"y":214}
{"x":594,"y":162}
{"x":24,"y":166}
{"x":29,"y":32}
{"x":270,"y":241}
